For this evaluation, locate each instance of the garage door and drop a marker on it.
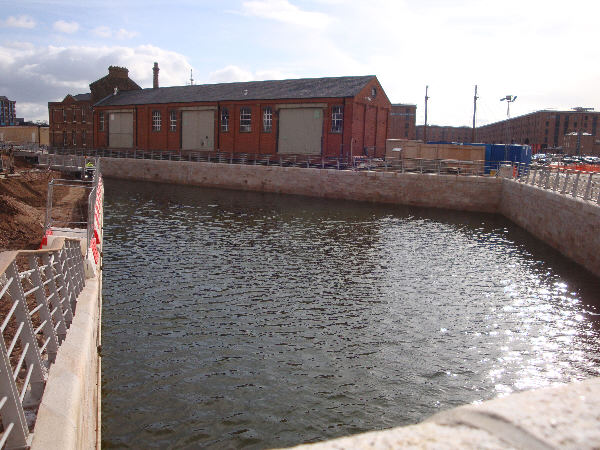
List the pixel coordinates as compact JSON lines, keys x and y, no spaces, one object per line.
{"x":197,"y":130}
{"x":300,"y":131}
{"x":120,"y":129}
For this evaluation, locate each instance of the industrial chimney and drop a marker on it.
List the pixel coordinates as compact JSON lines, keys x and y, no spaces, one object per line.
{"x":155,"y":70}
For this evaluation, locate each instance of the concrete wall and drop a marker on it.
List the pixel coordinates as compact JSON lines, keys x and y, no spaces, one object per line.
{"x":68,"y":416}
{"x":550,"y":418}
{"x":24,"y":134}
{"x":570,"y":225}
{"x":437,"y":191}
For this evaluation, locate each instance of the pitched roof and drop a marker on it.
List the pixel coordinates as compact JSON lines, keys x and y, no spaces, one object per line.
{"x":252,"y":90}
{"x":83,"y":97}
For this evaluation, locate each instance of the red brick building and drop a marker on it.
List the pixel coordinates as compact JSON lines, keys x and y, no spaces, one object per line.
{"x":436,"y":133}
{"x":542,"y":130}
{"x":72,"y":120}
{"x":402,"y":121}
{"x":314,"y":116}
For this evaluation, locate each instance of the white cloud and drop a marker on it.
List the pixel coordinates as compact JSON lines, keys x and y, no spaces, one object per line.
{"x":121,"y":34}
{"x":229,"y":74}
{"x":125,"y":34}
{"x":284,"y":11}
{"x":22,"y":21}
{"x":34,"y":75}
{"x":65,"y":27}
{"x":102,"y":31}
{"x":232,"y":73}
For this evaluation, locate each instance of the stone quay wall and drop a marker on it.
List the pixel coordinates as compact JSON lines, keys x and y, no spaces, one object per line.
{"x":568,"y":224}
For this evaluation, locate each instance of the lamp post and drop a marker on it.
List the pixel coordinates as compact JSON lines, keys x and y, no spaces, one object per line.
{"x":509,"y":99}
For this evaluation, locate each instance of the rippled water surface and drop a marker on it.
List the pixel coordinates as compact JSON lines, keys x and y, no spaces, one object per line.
{"x":237,"y":319}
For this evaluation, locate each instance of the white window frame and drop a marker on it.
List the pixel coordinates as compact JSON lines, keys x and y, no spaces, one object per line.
{"x":337,"y":119}
{"x":101,"y":123}
{"x":224,"y":120}
{"x":173,"y":121}
{"x":245,"y":119}
{"x":156,"y":120}
{"x":267,"y":119}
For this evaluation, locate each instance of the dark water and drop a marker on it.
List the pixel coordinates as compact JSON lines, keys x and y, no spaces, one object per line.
{"x":238,"y":319}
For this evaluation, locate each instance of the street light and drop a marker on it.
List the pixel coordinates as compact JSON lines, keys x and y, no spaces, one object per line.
{"x":509,"y":99}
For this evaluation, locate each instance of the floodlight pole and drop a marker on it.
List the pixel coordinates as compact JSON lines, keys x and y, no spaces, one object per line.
{"x":473,"y":136}
{"x":509,"y":99}
{"x":425,"y":127}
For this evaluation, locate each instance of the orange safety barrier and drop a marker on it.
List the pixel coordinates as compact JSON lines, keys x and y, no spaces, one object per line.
{"x":578,"y":167}
{"x":45,"y":238}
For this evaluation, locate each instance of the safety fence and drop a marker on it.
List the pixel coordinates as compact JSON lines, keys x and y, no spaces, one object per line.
{"x":75,"y":158}
{"x":95,"y":199}
{"x":95,"y":214}
{"x":561,"y":179}
{"x":38,"y":298}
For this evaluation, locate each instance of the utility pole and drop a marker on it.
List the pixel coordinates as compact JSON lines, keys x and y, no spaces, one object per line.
{"x":473,"y":134}
{"x":425,"y":127}
{"x":580,"y":110}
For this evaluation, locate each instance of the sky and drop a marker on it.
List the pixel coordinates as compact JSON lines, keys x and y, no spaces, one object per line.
{"x":544,"y":52}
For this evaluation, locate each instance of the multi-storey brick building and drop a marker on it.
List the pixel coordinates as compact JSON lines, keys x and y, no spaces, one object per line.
{"x":544,"y":129}
{"x":314,"y":116}
{"x":436,"y":133}
{"x":402,"y":121}
{"x":8,"y":113}
{"x":71,"y":120}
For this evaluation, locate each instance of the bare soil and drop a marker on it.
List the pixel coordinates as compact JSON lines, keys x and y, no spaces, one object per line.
{"x":23,"y":206}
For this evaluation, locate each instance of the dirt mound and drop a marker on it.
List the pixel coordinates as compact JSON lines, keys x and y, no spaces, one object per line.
{"x":23,"y":206}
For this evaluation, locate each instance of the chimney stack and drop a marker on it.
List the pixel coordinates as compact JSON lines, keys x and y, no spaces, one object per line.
{"x":155,"y":70}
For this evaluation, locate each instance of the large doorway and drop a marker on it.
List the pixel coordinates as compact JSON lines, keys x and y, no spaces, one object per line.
{"x":120,"y":129}
{"x":300,"y":131}
{"x":197,"y":130}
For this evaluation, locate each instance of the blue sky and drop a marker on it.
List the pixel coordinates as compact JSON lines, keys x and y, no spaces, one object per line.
{"x":546,"y":52}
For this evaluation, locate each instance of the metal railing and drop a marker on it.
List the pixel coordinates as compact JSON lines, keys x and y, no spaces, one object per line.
{"x":73,"y":157}
{"x":563,"y":180}
{"x":38,"y":298}
{"x":94,"y":205}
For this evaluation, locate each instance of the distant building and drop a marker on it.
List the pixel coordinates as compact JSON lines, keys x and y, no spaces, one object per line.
{"x":71,"y":120}
{"x":8,"y":112}
{"x":576,"y":143}
{"x":437,"y":133}
{"x":312,"y":116}
{"x":545,"y":129}
{"x":542,"y":130}
{"x":402,"y":121}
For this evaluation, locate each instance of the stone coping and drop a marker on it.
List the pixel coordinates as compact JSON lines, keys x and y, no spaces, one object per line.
{"x":68,"y":414}
{"x":565,"y":416}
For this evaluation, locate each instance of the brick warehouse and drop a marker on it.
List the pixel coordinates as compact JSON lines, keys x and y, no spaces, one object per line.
{"x":545,"y":129}
{"x":315,"y":116}
{"x":71,"y":120}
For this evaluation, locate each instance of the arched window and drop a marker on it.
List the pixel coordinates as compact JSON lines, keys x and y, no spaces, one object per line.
{"x":267,"y":119}
{"x":245,"y":120}
{"x":224,"y":120}
{"x":156,"y":120}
